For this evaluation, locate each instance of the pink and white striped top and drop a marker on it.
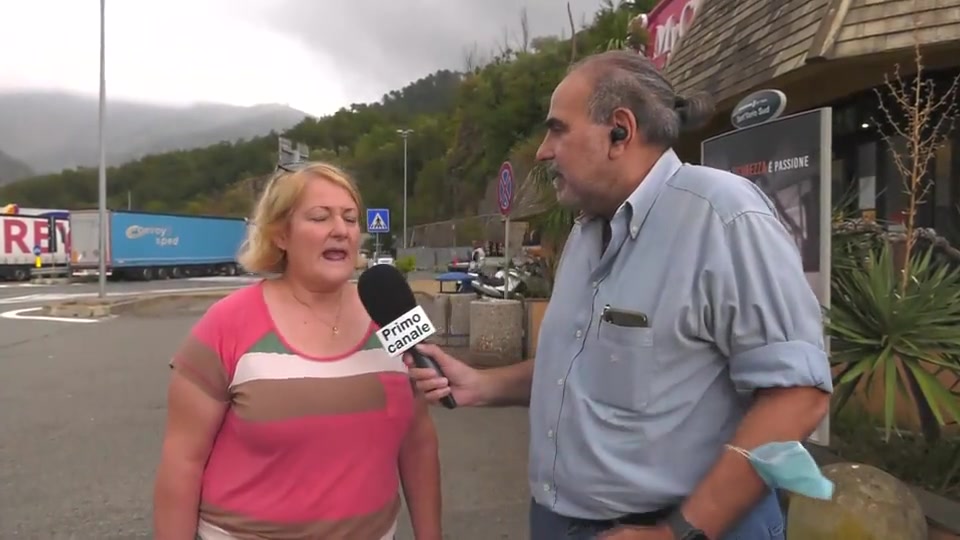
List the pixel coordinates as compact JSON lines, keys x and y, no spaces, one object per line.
{"x":309,"y":446}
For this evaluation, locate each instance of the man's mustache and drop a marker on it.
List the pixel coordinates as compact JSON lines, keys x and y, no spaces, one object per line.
{"x":553,"y":171}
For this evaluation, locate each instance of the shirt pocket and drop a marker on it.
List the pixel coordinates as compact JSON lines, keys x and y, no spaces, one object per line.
{"x":621,"y":372}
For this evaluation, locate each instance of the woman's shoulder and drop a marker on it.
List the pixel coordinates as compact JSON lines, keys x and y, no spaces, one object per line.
{"x":243,"y":304}
{"x":244,"y":297}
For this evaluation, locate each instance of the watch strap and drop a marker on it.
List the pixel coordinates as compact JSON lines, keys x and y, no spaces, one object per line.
{"x":683,"y":529}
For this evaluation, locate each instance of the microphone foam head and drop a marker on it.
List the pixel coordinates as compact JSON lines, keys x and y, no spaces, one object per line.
{"x":385,"y":293}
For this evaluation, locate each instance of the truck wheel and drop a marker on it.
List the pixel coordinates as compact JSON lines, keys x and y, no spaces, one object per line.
{"x":230,"y":269}
{"x":163,"y":273}
{"x":20,"y":274}
{"x":146,"y":274}
{"x":176,"y":273}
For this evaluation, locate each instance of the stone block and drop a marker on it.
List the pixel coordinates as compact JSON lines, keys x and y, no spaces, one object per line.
{"x":50,"y":281}
{"x":140,"y":305}
{"x":459,"y":315}
{"x":496,"y":328}
{"x":439,"y":313}
{"x":80,"y":310}
{"x":453,"y":313}
{"x":431,"y":305}
{"x":868,"y":504}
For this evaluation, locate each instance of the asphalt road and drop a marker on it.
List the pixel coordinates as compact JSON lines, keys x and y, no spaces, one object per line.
{"x":16,"y":294}
{"x":81,"y":416}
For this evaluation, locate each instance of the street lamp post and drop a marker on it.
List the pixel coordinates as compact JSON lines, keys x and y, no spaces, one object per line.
{"x":404,"y":133}
{"x":102,"y":196}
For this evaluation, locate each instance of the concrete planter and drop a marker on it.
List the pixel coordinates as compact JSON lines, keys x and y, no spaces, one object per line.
{"x":496,"y":329}
{"x":533,"y":312}
{"x":867,"y":503}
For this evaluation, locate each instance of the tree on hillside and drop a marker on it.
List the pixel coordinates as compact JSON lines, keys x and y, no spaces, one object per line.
{"x":465,"y":125}
{"x":618,"y":23}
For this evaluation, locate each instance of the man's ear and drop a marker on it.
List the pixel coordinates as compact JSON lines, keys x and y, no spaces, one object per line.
{"x":622,"y":132}
{"x":624,"y":119}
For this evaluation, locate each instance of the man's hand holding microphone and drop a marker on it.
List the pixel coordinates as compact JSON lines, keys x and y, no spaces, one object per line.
{"x":465,"y":383}
{"x":441,"y":378}
{"x":497,"y":387}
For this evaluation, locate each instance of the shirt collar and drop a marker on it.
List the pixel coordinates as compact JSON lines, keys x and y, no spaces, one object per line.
{"x":641,"y":200}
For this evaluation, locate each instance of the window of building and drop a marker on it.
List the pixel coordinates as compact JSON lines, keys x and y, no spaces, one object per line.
{"x":855,"y":154}
{"x":946,"y":194}
{"x":865,"y":169}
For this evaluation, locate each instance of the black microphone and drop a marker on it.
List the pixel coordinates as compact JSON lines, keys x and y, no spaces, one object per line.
{"x":403,"y":323}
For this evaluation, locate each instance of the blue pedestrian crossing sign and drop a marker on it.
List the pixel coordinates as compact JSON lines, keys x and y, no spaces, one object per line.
{"x":378,"y":220}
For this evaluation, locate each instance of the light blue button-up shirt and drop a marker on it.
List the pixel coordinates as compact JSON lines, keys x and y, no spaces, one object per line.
{"x":627,"y":419}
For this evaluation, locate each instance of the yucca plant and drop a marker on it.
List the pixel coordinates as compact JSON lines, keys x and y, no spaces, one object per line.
{"x":902,"y":331}
{"x":554,"y":223}
{"x":895,"y":309}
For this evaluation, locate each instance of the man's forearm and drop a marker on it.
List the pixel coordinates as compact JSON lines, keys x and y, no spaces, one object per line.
{"x":732,"y":487}
{"x":507,"y":386}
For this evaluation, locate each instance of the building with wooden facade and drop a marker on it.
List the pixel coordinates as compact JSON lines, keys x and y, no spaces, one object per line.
{"x":821,"y":53}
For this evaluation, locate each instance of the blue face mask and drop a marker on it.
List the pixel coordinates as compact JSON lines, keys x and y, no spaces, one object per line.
{"x":788,"y":465}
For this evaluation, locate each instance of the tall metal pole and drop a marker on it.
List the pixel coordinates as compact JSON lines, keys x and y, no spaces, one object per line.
{"x":404,"y":191}
{"x":404,"y":133}
{"x":103,"y":165}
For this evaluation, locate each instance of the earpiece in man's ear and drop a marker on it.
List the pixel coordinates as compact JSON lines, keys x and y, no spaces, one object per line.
{"x":618,"y":134}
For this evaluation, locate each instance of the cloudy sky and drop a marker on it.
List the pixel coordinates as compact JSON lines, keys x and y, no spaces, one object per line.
{"x":315,"y":55}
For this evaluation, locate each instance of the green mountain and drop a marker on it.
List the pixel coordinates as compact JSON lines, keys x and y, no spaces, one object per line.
{"x":52,"y":131}
{"x":464,"y":126}
{"x":12,"y":169}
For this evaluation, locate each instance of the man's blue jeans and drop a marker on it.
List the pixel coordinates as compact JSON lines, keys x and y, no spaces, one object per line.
{"x":764,"y":522}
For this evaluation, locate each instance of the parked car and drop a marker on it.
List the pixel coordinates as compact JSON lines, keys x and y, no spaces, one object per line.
{"x":459,"y":266}
{"x":383,"y":259}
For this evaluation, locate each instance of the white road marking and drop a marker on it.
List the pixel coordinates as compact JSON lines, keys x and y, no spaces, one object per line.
{"x":56,"y":297}
{"x":18,"y":314}
{"x":226,"y":279}
{"x":208,"y":279}
{"x":26,"y":299}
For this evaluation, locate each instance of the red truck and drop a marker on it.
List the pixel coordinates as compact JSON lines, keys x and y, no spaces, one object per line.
{"x":24,"y":237}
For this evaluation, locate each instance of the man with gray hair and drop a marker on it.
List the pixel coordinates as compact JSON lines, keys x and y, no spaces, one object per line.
{"x":681,"y":337}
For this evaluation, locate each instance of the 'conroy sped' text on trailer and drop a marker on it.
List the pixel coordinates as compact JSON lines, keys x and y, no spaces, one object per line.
{"x":144,"y":245}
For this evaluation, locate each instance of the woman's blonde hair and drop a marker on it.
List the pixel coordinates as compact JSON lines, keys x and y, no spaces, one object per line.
{"x":259,"y":253}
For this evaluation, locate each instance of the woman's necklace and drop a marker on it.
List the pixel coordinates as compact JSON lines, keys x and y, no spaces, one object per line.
{"x":335,"y":327}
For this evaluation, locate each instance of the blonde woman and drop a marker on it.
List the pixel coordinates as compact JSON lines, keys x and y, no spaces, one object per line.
{"x":285,"y":419}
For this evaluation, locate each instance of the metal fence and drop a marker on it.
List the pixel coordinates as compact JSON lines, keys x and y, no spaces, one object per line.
{"x":435,"y":258}
{"x":464,"y":231}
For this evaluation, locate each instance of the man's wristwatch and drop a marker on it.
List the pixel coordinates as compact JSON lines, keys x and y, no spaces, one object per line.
{"x":682,"y":529}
